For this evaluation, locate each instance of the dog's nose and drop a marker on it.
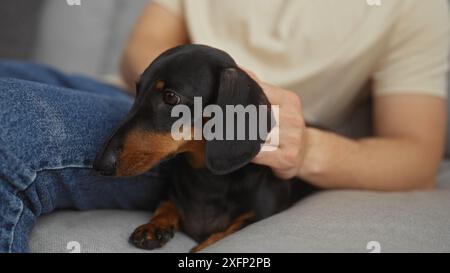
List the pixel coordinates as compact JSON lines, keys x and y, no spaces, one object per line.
{"x":105,"y":163}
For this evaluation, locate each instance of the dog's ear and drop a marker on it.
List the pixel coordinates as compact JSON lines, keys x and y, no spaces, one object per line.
{"x":237,"y":88}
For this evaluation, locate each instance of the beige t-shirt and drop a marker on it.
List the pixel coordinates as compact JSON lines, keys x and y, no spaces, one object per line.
{"x":327,"y":50}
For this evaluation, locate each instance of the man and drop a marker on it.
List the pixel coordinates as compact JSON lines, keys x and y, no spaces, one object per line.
{"x":316,"y":54}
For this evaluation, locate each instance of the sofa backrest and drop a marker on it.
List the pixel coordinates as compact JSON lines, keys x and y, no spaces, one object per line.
{"x":18,"y":21}
{"x":88,"y":38}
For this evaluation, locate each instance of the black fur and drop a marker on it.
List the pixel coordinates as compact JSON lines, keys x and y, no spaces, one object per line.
{"x":208,"y":202}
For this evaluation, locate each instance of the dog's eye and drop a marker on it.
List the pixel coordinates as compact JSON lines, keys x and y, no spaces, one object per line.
{"x":171,"y":98}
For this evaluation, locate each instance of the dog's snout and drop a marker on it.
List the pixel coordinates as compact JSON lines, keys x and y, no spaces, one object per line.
{"x":106,"y":162}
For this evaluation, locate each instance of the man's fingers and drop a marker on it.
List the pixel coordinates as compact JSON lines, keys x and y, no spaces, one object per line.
{"x":265,"y":158}
{"x":274,"y":94}
{"x":250,"y":73}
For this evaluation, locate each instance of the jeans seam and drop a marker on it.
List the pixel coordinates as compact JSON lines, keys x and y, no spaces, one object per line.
{"x":35,"y":174}
{"x":13,"y":230}
{"x":74,"y":166}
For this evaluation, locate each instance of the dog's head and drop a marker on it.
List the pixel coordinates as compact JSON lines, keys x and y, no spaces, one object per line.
{"x":178,"y":75}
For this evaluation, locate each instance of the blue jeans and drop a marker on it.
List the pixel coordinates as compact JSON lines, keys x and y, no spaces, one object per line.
{"x":51,"y":127}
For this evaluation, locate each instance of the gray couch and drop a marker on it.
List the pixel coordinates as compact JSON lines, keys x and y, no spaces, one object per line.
{"x":332,"y":221}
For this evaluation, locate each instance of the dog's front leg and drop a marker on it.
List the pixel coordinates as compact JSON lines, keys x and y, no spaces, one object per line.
{"x":159,"y":230}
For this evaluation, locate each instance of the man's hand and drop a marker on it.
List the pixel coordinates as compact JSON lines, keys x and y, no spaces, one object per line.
{"x":285,"y":161}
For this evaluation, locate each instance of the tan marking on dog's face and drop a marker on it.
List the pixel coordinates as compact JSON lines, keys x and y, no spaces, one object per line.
{"x":142,"y":151}
{"x":160,"y":85}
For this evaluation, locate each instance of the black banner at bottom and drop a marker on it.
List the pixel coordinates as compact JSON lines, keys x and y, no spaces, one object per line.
{"x":223,"y":262}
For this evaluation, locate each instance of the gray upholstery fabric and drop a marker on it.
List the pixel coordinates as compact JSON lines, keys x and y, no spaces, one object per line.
{"x":85,"y":39}
{"x":18,"y":21}
{"x":103,"y":231}
{"x":443,"y":180}
{"x":333,"y":221}
{"x":346,"y":221}
{"x":74,"y":38}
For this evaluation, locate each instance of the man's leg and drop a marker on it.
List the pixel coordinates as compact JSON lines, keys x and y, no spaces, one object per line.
{"x":49,"y":137}
{"x":48,"y":75}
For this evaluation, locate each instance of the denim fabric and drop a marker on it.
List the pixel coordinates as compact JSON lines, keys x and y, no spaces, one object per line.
{"x":51,"y":127}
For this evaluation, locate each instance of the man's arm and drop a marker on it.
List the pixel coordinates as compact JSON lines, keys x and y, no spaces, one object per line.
{"x":409,"y":82}
{"x":404,"y":155}
{"x":157,"y":29}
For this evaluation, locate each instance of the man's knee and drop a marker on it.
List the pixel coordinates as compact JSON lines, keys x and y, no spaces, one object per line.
{"x":52,"y":127}
{"x":28,"y":71}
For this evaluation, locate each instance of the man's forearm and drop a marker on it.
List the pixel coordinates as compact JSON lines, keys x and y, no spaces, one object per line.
{"x":157,"y":29}
{"x":383,"y":164}
{"x":135,"y":59}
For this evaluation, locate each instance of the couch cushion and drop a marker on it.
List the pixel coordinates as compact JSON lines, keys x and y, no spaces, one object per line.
{"x":333,"y":221}
{"x":102,"y":231}
{"x":346,"y":221}
{"x":443,"y":180}
{"x":86,"y":39}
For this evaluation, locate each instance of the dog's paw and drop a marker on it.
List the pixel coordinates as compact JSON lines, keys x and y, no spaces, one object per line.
{"x":150,"y":236}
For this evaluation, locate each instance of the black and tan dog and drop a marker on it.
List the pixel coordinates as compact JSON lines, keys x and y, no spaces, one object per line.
{"x":214,"y":189}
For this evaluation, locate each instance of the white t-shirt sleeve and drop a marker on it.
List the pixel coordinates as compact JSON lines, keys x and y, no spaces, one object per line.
{"x":416,"y":59}
{"x":172,"y":5}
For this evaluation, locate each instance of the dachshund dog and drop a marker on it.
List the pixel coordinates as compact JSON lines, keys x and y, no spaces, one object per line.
{"x":214,"y":190}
